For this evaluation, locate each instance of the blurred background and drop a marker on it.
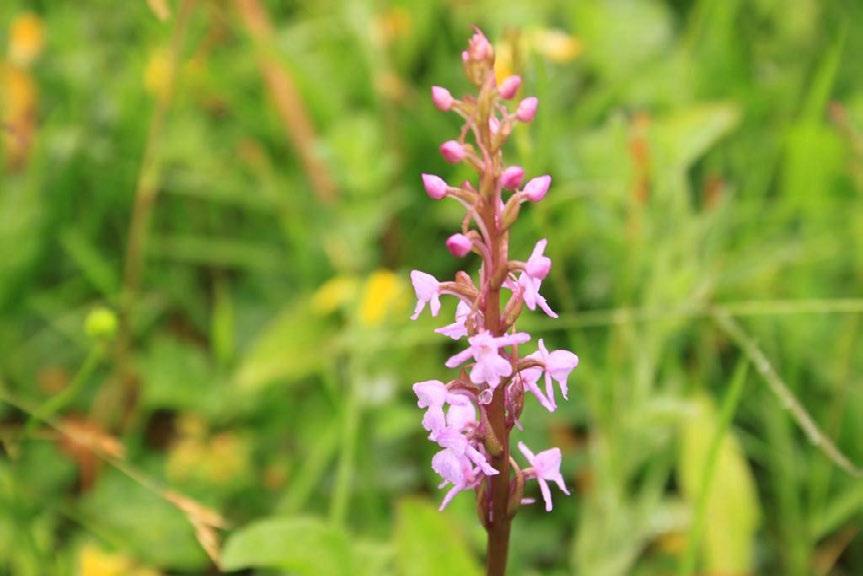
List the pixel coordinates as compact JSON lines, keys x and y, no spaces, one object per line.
{"x":208,"y":213}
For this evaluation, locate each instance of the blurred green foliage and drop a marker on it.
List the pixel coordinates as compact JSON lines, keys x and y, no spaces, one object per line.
{"x":704,"y":153}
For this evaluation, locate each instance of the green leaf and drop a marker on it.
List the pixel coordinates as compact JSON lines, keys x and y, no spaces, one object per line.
{"x":427,"y":543}
{"x":90,"y":260}
{"x":293,"y":346}
{"x":685,"y":136}
{"x":731,"y":504}
{"x":305,"y":546}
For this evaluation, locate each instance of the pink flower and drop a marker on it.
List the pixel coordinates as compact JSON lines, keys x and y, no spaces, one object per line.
{"x":457,"y":329}
{"x":529,"y":282}
{"x":441,"y":98}
{"x":532,"y":298}
{"x":490,"y":366}
{"x":529,"y":378}
{"x":455,"y":441}
{"x":536,"y":188}
{"x":430,"y":393}
{"x":527,"y":109}
{"x":453,"y":151}
{"x":461,"y":413}
{"x":493,"y":124}
{"x":435,"y":186}
{"x":459,"y":245}
{"x":545,"y":467}
{"x":511,"y":177}
{"x":509,"y":87}
{"x":427,"y":290}
{"x":558,"y":364}
{"x":455,"y":470}
{"x":538,"y":265}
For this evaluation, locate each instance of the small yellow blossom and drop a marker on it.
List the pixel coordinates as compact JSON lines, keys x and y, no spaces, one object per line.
{"x":384,"y":293}
{"x":93,"y":561}
{"x":18,"y":106}
{"x":504,"y":59}
{"x":19,"y":94}
{"x":26,"y":37}
{"x":334,"y":293}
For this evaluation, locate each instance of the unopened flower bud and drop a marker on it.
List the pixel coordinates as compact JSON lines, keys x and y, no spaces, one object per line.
{"x":453,"y":151}
{"x":459,"y":245}
{"x":435,"y":186}
{"x":515,"y":398}
{"x":516,"y":495}
{"x":511,"y":177}
{"x":527,"y":109}
{"x":441,"y":98}
{"x":479,"y":48}
{"x":536,"y":188}
{"x":509,"y":87}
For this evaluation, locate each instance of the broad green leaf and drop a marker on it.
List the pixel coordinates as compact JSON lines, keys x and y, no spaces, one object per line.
{"x":732,"y":507}
{"x":294,"y":345}
{"x":427,"y":543}
{"x":305,"y":546}
{"x":685,"y":136}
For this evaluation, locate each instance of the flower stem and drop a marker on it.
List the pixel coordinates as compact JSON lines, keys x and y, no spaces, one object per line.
{"x":499,"y":521}
{"x":498,"y":526}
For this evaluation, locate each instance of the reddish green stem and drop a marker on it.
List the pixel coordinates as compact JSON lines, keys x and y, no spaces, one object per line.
{"x":498,"y":522}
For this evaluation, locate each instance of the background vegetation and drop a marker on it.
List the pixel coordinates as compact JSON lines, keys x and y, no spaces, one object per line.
{"x":208,"y":210}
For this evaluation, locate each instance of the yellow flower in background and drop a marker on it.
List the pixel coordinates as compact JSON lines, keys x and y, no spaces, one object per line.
{"x":504,"y":58}
{"x":19,"y":94}
{"x":18,"y":103}
{"x":555,"y":45}
{"x":93,"y":561}
{"x":335,"y":293}
{"x":384,"y":293}
{"x":157,"y":73}
{"x":26,"y":37}
{"x":18,"y":91}
{"x":549,"y":43}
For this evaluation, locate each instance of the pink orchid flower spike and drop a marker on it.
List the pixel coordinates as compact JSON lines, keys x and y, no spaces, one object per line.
{"x":473,"y":416}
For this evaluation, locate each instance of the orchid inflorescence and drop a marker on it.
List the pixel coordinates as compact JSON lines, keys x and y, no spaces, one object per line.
{"x":471,"y":416}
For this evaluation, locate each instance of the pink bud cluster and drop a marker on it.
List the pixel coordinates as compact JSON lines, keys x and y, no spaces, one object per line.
{"x":471,"y":416}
